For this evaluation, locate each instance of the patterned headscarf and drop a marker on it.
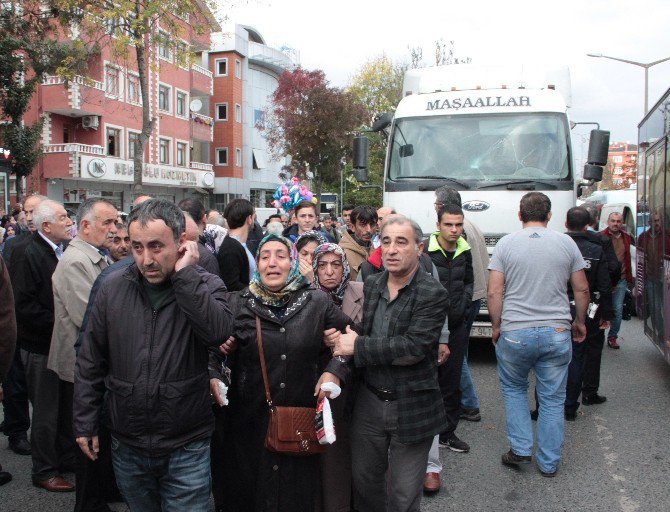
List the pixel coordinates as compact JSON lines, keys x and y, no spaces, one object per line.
{"x":314,"y":235}
{"x":338,"y":293}
{"x":295,"y":280}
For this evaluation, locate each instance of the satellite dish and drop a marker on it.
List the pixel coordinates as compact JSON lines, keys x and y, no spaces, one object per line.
{"x":195,"y":105}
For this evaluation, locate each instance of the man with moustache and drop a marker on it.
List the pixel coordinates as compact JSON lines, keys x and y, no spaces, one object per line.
{"x":120,"y":245}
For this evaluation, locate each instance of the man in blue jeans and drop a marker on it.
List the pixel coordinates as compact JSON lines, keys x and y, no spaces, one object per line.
{"x":531,"y":328}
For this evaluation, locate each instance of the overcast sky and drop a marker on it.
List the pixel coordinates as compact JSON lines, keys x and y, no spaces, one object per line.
{"x":338,"y":37}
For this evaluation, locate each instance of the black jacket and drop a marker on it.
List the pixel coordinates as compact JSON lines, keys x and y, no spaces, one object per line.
{"x":33,"y":295}
{"x":613,"y":265}
{"x":153,"y":364}
{"x":597,"y":273}
{"x":456,"y":275}
{"x":233,"y":264}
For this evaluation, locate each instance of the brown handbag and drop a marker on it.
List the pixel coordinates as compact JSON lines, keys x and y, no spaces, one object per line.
{"x":291,"y":430}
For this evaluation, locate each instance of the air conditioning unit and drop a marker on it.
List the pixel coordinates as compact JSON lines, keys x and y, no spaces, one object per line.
{"x":90,"y":122}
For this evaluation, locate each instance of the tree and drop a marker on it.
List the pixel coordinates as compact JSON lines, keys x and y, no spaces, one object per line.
{"x":313,"y":123}
{"x":130,"y":28}
{"x":30,"y":48}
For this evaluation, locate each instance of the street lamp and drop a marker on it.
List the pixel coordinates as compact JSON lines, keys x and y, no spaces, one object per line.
{"x":634,"y":63}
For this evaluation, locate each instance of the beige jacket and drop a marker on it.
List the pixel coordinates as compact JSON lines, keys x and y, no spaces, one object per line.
{"x":480,"y":258}
{"x":72,"y":282}
{"x":352,"y":302}
{"x":356,"y":254}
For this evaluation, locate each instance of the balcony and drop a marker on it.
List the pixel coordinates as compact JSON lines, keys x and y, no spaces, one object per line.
{"x":82,"y":97}
{"x":62,"y":160}
{"x":202,"y":127}
{"x":201,"y":80}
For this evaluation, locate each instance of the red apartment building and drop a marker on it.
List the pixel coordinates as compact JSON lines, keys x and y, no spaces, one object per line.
{"x":92,"y":125}
{"x":622,"y":162}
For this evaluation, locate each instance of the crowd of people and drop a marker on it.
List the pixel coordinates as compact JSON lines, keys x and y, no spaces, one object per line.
{"x":157,"y":349}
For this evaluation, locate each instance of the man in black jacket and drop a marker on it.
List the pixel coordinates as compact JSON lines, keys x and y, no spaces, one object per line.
{"x":452,"y":257}
{"x":236,"y":263}
{"x":600,"y":313}
{"x":50,"y":436}
{"x":7,"y":337}
{"x":154,"y":365}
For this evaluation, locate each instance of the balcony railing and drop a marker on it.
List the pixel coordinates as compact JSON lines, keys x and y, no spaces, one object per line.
{"x":200,"y":69}
{"x":201,"y":167}
{"x":73,"y":148}
{"x":78,"y":79}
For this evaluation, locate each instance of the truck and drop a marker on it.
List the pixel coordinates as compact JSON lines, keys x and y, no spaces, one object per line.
{"x":491,"y":132}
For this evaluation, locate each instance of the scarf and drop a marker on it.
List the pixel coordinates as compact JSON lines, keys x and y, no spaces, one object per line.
{"x":317,"y":236}
{"x":294,"y":282}
{"x":338,"y":292}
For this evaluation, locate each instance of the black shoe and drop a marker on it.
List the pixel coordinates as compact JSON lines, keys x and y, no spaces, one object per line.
{"x":454,"y":444}
{"x":570,"y":415}
{"x":534,"y":414}
{"x":548,"y":474}
{"x":20,"y":446}
{"x":5,"y":477}
{"x":512,"y":459}
{"x":470,"y":414}
{"x":593,"y":399}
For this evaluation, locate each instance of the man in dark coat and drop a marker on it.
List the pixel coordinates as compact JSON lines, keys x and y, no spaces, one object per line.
{"x":236,"y":262}
{"x":399,"y":407}
{"x":7,"y":336}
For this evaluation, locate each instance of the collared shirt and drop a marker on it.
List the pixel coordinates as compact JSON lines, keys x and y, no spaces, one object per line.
{"x":380,"y":377}
{"x":58,"y":249}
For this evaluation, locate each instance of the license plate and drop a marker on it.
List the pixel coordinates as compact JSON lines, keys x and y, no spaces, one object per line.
{"x":481,"y":331}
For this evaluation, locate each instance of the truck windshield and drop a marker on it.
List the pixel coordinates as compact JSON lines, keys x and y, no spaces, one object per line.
{"x":494,"y":147}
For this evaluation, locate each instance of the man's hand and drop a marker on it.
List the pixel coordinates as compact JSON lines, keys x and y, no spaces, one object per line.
{"x":345,"y":345}
{"x":325,"y":377}
{"x":188,"y":255}
{"x":228,"y":347}
{"x":331,"y":337}
{"x":495,"y":335}
{"x":214,"y":392}
{"x":578,"y":331}
{"x":442,"y":353}
{"x":90,"y":446}
{"x":604,"y":324}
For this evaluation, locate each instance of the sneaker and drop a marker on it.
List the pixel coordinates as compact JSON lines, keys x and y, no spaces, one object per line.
{"x":512,"y":459}
{"x":612,"y":343}
{"x":570,"y":415}
{"x":534,"y":414}
{"x":548,"y":474}
{"x":454,"y":444}
{"x":594,"y":399}
{"x":470,"y":414}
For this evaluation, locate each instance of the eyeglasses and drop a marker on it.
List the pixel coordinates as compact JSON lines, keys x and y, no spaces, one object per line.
{"x":335,"y":265}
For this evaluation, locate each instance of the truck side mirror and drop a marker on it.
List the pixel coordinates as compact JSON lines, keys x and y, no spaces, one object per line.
{"x":599,"y":143}
{"x":593,"y":172}
{"x":360,"y":158}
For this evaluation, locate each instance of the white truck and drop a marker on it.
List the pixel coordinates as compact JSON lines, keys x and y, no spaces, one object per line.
{"x":491,"y":132}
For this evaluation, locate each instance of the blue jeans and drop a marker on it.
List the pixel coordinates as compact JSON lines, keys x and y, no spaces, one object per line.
{"x":468,"y":391}
{"x":175,"y":482}
{"x":618,"y":295}
{"x":547,"y":351}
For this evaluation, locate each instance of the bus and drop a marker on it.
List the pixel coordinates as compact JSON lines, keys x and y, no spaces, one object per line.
{"x":652,"y":280}
{"x":493,"y":133}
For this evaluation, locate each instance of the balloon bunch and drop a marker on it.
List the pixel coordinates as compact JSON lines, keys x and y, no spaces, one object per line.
{"x":289,"y":194}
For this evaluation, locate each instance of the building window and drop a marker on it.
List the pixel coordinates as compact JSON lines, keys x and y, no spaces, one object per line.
{"x":221,"y":111}
{"x":180,"y":104}
{"x":134,"y":94}
{"x":114,"y":142}
{"x":112,"y":81}
{"x":133,"y":141}
{"x":259,"y":118}
{"x":221,"y":67}
{"x":164,"y":98}
{"x":164,"y":46}
{"x":238,"y":69}
{"x":238,"y":112}
{"x":238,"y":157}
{"x":181,"y":154}
{"x":164,"y":151}
{"x":617,"y":159}
{"x":221,"y":156}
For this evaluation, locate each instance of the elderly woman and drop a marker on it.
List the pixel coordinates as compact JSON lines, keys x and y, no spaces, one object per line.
{"x":331,"y":274}
{"x":293,"y":317}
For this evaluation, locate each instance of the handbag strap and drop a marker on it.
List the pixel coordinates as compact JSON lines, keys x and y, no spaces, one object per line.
{"x":261,"y":355}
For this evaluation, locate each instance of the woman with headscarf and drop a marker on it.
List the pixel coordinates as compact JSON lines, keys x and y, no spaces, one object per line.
{"x":331,"y":274}
{"x":293,"y":317}
{"x":303,"y":251}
